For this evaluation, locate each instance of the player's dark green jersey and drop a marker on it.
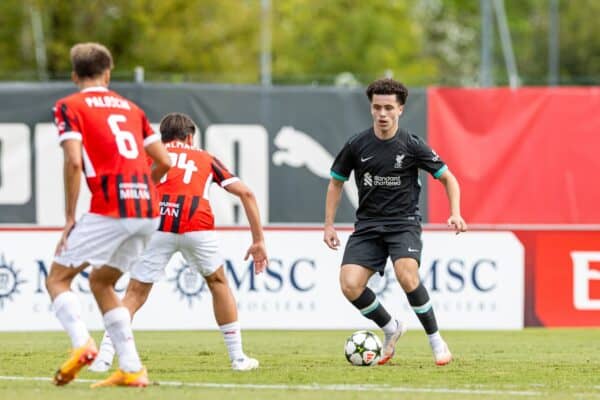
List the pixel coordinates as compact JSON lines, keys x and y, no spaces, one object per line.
{"x":386,"y":174}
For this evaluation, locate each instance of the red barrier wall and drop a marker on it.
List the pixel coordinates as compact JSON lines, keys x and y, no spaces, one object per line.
{"x":529,"y":155}
{"x":562,"y":277}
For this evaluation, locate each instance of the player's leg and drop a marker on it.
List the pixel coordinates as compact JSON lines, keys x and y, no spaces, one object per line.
{"x":147,"y":270}
{"x":136,"y":295}
{"x":405,"y":248}
{"x":91,"y":241}
{"x":353,"y":281}
{"x":367,"y":249}
{"x":67,"y":309}
{"x":201,"y":249}
{"x":117,"y":319}
{"x":225,"y":310}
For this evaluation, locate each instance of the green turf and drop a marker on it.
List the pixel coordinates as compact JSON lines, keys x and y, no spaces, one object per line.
{"x":546,"y":363}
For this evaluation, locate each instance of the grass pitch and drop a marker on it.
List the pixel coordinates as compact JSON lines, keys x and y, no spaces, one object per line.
{"x":533,"y":363}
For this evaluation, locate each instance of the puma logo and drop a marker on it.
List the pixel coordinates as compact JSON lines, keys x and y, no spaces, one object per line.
{"x":297,"y":149}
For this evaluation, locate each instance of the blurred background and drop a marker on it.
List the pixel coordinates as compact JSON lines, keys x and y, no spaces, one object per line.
{"x":311,"y":42}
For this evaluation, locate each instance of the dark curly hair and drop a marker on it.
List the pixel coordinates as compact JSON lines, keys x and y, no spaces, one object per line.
{"x":388,"y":86}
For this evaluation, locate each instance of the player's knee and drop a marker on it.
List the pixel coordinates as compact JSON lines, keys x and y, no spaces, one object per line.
{"x":55,"y":281}
{"x":350,"y":288}
{"x":216,"y":279}
{"x":408,"y":281}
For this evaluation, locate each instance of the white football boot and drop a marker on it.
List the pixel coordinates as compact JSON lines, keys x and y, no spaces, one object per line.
{"x":441,"y":354}
{"x":244,"y":364}
{"x":389,"y":343}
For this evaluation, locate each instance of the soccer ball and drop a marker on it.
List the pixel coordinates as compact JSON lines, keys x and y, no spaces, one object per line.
{"x":363,"y":348}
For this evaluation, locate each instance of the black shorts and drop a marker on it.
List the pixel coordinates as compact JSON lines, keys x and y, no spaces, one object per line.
{"x":370,"y":247}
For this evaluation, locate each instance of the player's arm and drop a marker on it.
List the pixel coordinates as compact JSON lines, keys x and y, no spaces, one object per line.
{"x":72,"y":168}
{"x":332,"y":201}
{"x":162,"y":163}
{"x":453,"y":192}
{"x":257,"y":250}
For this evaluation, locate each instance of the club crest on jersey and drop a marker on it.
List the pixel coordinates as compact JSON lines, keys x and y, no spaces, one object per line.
{"x":134,"y":191}
{"x":399,"y":160}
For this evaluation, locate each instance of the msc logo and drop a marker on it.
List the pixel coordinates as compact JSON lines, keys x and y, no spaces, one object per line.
{"x":189,"y":283}
{"x":297,"y":275}
{"x":9,"y":281}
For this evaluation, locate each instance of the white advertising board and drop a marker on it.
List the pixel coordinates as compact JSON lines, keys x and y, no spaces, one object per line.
{"x":475,"y":280}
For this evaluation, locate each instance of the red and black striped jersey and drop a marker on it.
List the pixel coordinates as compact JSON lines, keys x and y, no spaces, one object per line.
{"x":113,"y":131}
{"x":184,"y":191}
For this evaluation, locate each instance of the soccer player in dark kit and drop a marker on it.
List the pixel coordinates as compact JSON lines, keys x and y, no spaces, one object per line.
{"x":385,"y":159}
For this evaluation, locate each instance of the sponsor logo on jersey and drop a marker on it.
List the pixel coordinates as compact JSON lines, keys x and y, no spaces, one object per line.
{"x":134,"y":191}
{"x":376,"y":180}
{"x":168,"y":208}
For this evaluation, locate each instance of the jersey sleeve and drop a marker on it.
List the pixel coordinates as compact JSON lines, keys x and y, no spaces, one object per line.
{"x":149,"y":135}
{"x":66,"y":122}
{"x":427,"y":158}
{"x":343,"y":164}
{"x":221,"y":174}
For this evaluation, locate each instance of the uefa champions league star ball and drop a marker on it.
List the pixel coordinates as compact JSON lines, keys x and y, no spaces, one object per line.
{"x":363,"y":348}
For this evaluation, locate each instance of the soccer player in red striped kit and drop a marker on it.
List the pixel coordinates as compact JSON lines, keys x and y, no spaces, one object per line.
{"x":108,"y":138}
{"x":187,"y":225}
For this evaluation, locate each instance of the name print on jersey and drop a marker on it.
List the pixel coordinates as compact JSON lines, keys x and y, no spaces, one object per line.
{"x":107,"y":102}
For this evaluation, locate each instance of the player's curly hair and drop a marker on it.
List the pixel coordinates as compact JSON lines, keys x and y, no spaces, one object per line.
{"x":388,"y":86}
{"x":90,"y":60}
{"x":176,"y":126}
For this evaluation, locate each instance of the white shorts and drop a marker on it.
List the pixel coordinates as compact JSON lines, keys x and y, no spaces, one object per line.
{"x":99,"y":240}
{"x":200,"y":249}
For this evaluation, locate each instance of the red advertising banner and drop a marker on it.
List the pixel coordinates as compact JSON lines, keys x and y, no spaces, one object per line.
{"x":567,"y":278}
{"x":521,"y":156}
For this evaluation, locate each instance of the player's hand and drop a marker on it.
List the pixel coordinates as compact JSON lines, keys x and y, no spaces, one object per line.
{"x":258,"y":251}
{"x":457,"y":223}
{"x":330,"y":237}
{"x":62,"y":243}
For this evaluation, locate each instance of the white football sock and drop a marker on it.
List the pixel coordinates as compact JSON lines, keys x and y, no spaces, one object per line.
{"x":68,"y":311}
{"x":435,"y":340}
{"x":390,"y":327}
{"x":118,"y":326}
{"x":232,"y":335}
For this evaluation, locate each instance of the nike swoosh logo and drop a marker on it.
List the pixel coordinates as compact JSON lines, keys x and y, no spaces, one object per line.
{"x":366,"y":159}
{"x":410,"y":249}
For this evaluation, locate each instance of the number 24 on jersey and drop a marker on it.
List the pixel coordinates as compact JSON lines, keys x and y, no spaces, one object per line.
{"x":180,"y":161}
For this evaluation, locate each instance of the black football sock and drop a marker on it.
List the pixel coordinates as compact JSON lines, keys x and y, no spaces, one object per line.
{"x":421,"y":305}
{"x":369,"y":306}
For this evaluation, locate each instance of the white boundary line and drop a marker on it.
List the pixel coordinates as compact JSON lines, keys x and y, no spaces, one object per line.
{"x":315,"y":387}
